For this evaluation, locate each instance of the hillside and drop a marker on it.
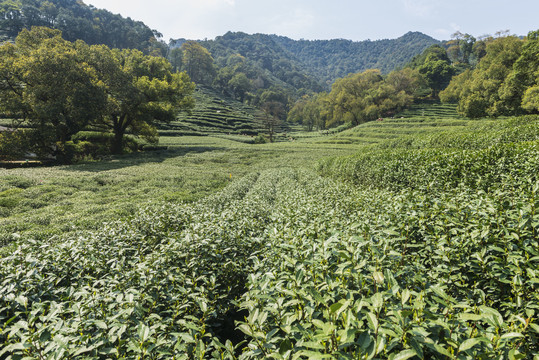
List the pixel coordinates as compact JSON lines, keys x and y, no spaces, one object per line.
{"x":313,"y":64}
{"x":424,"y":118}
{"x":332,"y":59}
{"x":214,"y":115}
{"x":78,"y":21}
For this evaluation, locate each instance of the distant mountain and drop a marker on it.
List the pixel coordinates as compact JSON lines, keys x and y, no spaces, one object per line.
{"x":312,"y":64}
{"x":332,"y":59}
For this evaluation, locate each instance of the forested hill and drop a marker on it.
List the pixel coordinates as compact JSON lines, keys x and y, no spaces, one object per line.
{"x":294,"y":61}
{"x":332,"y":59}
{"x":78,"y":21}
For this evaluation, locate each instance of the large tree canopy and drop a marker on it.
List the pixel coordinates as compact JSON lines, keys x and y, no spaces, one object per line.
{"x":59,"y":88}
{"x":197,"y":62}
{"x":368,"y":95}
{"x":484,"y":91}
{"x":47,"y":82}
{"x":141,"y":90}
{"x":78,"y":21}
{"x":521,"y":87}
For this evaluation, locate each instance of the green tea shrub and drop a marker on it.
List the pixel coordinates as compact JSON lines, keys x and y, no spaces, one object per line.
{"x":438,"y":168}
{"x":319,"y":269}
{"x":426,"y":252}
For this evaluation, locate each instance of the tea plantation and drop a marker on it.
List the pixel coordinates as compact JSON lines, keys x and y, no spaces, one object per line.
{"x":218,"y":116}
{"x":415,"y":239}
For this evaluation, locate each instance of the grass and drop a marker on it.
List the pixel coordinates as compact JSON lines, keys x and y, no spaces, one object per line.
{"x":51,"y":201}
{"x":419,"y":119}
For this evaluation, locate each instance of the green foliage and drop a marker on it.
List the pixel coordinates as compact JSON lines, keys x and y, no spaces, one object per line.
{"x":367,"y":96}
{"x":141,"y":91}
{"x":521,"y":86}
{"x":437,"y":70}
{"x":489,"y":89}
{"x":197,"y":62}
{"x":324,"y":270}
{"x":48,"y":82}
{"x":428,"y":250}
{"x":299,"y":67}
{"x":78,"y":21}
{"x":310,"y":112}
{"x":13,"y":144}
{"x":61,"y":88}
{"x":475,"y":157}
{"x":216,"y":115}
{"x":329,"y":60}
{"x":260,"y":139}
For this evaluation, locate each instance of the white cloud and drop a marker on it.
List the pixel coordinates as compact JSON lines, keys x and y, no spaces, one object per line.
{"x":421,"y":8}
{"x":445,"y":33}
{"x":210,"y":5}
{"x":296,"y":23}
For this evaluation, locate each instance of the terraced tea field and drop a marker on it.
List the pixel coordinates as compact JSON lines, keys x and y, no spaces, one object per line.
{"x":217,"y":116}
{"x":421,"y":245}
{"x":419,"y":119}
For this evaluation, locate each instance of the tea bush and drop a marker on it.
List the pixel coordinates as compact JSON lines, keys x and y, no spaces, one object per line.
{"x":325,"y":270}
{"x":434,"y":255}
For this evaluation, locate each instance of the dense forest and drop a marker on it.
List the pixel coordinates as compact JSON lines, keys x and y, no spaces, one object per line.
{"x":312,"y":64}
{"x":333,"y":59}
{"x":78,"y":21}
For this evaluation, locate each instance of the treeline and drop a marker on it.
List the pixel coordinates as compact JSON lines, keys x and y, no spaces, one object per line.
{"x":491,"y":76}
{"x":54,"y":89}
{"x":358,"y":98}
{"x":488,"y":76}
{"x":78,"y":21}
{"x":244,"y":67}
{"x":329,"y":60}
{"x":504,"y":82}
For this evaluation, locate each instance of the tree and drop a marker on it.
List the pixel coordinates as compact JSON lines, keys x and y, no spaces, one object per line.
{"x":351,"y":96}
{"x":408,"y":80}
{"x":141,"y":90}
{"x":309,"y":111}
{"x":437,"y":72}
{"x":175,"y":57}
{"x":197,"y":62}
{"x":271,"y":117}
{"x":453,"y":92}
{"x":461,"y":47}
{"x":484,"y":92}
{"x":366,"y":96}
{"x":521,"y":87}
{"x":46,"y":81}
{"x":240,"y":85}
{"x":530,"y":100}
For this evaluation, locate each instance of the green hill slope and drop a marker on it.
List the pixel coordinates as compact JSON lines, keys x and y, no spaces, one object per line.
{"x":332,"y":59}
{"x":313,"y":64}
{"x":419,"y":119}
{"x":215,"y":115}
{"x":78,"y":21}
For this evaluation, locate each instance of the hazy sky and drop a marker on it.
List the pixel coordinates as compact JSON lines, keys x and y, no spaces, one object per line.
{"x":328,"y":19}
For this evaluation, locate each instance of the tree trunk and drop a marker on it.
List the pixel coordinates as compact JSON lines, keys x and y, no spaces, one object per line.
{"x":118,"y":140}
{"x":117,"y":143}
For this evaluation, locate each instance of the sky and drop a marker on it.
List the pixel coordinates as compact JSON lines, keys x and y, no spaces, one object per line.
{"x":328,"y":19}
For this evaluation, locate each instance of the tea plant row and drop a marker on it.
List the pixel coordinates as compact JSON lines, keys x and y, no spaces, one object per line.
{"x":304,"y":266}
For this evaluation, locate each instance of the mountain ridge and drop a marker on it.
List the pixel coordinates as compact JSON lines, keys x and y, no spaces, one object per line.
{"x":323,"y":60}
